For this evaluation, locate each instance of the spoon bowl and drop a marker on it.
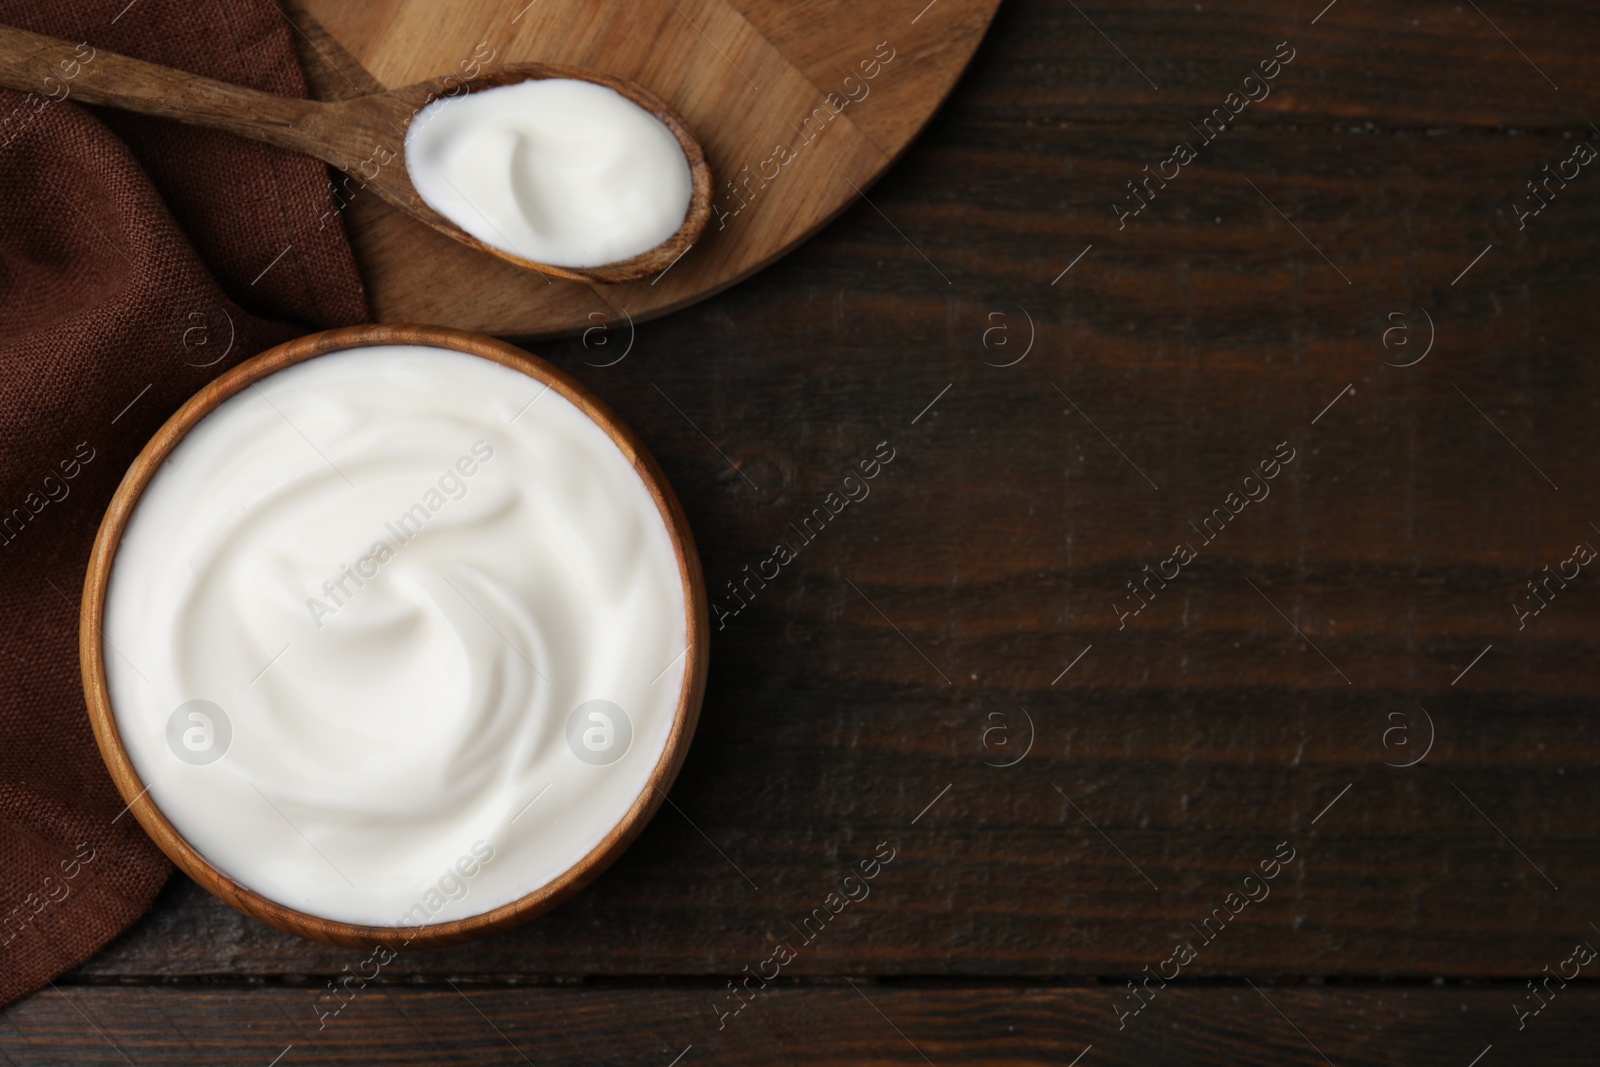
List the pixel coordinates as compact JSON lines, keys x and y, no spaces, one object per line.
{"x":370,"y":124}
{"x":364,"y":137}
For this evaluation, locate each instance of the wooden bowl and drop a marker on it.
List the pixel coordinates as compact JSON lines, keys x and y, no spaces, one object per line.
{"x":134,"y":790}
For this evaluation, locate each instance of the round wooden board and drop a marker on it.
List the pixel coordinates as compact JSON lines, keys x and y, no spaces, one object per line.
{"x":746,"y":74}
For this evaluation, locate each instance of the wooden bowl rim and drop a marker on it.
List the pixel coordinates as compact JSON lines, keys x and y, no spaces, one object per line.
{"x":135,"y":792}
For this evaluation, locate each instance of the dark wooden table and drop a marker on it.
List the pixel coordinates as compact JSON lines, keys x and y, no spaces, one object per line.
{"x":1347,"y":671}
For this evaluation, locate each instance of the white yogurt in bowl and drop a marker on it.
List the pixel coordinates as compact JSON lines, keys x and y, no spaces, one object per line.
{"x":399,"y":635}
{"x":555,"y":170}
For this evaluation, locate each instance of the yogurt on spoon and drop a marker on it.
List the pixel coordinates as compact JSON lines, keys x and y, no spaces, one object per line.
{"x":558,"y":171}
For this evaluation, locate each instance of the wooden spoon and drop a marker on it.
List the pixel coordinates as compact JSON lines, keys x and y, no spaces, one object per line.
{"x":364,"y":136}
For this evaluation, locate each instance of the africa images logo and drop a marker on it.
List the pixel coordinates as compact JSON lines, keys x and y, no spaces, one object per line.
{"x":199,"y":732}
{"x":599,"y":732}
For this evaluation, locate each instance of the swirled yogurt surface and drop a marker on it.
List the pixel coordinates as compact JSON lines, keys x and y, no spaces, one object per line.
{"x":557,"y":170}
{"x":395,"y":636}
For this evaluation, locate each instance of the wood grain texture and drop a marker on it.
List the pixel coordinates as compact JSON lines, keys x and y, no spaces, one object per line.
{"x":1207,"y":730}
{"x":1269,"y":1026}
{"x":748,"y":77}
{"x":859,"y":683}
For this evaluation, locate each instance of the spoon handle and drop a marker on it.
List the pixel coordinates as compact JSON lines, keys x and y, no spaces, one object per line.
{"x":58,"y":69}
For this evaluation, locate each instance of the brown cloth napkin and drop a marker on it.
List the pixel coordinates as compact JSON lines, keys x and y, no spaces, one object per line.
{"x":138,"y":260}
